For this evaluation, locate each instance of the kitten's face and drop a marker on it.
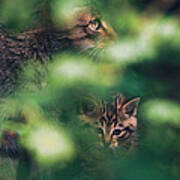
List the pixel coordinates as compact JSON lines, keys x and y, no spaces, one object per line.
{"x":116,"y":123}
{"x":90,"y":31}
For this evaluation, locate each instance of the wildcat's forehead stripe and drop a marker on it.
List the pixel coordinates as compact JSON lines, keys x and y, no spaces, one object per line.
{"x":111,"y":112}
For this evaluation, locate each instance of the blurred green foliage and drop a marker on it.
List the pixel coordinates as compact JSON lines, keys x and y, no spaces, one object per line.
{"x":144,"y":61}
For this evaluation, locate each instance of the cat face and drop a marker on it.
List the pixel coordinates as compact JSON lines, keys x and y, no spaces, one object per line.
{"x":89,"y":31}
{"x":116,"y":123}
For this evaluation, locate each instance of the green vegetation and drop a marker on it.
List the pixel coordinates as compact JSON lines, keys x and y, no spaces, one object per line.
{"x":144,"y":61}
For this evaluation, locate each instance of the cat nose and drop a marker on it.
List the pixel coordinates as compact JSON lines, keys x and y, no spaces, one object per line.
{"x":107,"y":141}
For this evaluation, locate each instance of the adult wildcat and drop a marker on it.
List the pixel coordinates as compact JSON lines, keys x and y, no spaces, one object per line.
{"x":85,"y":32}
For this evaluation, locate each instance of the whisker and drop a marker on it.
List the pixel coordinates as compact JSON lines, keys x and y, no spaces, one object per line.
{"x":94,"y":53}
{"x":84,"y":50}
{"x":92,"y":146}
{"x":91,"y":51}
{"x":97,"y":54}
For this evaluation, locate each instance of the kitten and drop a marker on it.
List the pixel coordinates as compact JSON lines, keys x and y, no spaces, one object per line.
{"x":116,"y":123}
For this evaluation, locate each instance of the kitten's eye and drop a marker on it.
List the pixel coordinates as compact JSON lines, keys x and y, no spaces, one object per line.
{"x":100,"y":131}
{"x":95,"y":24}
{"x":116,"y":132}
{"x":120,"y":125}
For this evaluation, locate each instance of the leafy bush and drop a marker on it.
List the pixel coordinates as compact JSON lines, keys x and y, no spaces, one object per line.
{"x":144,"y":61}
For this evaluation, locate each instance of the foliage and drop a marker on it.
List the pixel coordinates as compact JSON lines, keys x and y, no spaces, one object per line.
{"x":144,"y":61}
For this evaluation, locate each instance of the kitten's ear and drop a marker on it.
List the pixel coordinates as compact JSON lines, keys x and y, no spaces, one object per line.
{"x":131,"y":106}
{"x":89,"y":107}
{"x":90,"y":110}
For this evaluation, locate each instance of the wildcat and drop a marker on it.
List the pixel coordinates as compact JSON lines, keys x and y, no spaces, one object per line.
{"x":116,"y":123}
{"x":85,"y":32}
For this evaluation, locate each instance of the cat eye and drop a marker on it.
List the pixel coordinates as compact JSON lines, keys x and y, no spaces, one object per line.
{"x":116,"y":132}
{"x":95,"y":24}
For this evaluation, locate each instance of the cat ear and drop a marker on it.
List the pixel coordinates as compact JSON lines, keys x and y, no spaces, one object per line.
{"x":90,"y":110}
{"x":90,"y":106}
{"x":130,"y":108}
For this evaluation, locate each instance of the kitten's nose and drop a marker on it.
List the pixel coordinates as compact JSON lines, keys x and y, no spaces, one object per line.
{"x":107,"y":141}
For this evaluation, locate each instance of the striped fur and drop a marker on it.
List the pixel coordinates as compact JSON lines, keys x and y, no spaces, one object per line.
{"x":116,"y":123}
